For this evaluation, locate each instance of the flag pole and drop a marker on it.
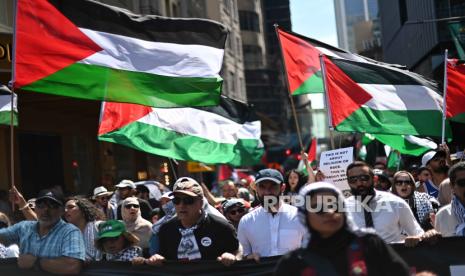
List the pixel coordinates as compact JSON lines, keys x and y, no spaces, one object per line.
{"x":444,"y":102}
{"x":13,"y":78}
{"x":328,"y":107}
{"x":299,"y":135}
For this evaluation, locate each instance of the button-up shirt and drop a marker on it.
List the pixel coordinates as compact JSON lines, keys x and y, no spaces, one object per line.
{"x":266,"y":234}
{"x":392,"y":217}
{"x":63,"y":240}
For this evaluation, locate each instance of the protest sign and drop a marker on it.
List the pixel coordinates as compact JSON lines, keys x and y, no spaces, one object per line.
{"x":333,"y":165}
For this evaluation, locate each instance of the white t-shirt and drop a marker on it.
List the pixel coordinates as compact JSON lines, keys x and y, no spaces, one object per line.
{"x":446,"y":222}
{"x":266,"y":235}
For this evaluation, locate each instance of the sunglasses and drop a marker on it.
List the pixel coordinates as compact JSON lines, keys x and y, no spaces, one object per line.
{"x":49,"y":204}
{"x":237,"y":211}
{"x":362,"y":177}
{"x":460,"y":182}
{"x":129,"y":206}
{"x":185,"y":200}
{"x":402,"y":182}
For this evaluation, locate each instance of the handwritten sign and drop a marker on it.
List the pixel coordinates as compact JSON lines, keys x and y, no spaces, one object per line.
{"x":333,"y":165}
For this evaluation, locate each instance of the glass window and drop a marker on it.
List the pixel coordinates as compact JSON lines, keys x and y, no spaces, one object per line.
{"x":249,"y":21}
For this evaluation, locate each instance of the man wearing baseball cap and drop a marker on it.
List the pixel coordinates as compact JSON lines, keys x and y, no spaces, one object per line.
{"x":437,"y":162}
{"x":280,"y":229}
{"x":194,"y":234}
{"x":48,"y":244}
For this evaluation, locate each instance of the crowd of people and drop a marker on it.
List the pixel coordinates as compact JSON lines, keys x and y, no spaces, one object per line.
{"x":303,"y":218}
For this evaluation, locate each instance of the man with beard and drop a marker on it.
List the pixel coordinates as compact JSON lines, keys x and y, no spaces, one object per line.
{"x":273,"y":228}
{"x":48,"y":244}
{"x":388,"y":214}
{"x":450,"y":220}
{"x":436,"y":162}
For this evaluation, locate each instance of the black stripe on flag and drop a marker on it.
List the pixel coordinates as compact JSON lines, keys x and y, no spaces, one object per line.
{"x":104,"y":18}
{"x":233,"y":110}
{"x":370,"y":73}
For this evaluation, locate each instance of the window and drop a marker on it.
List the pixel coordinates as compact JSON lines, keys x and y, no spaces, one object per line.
{"x":232,"y":83}
{"x":249,"y":21}
{"x":252,"y":56}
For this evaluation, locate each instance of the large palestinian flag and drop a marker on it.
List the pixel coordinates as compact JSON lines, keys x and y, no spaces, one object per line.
{"x":302,"y":62}
{"x":5,"y":107}
{"x":89,"y":50}
{"x":223,"y":134}
{"x":455,"y":98}
{"x":375,"y":98}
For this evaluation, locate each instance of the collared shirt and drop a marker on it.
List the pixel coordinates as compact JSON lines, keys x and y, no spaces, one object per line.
{"x":392,"y":217}
{"x":446,"y":222}
{"x":63,"y":240}
{"x":89,"y":234}
{"x":265,"y":234}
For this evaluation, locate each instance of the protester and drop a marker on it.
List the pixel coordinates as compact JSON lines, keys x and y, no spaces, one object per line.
{"x":150,"y":191}
{"x":445,"y":192}
{"x":85,"y":216}
{"x":294,"y":181}
{"x":101,"y":197}
{"x":421,"y":204}
{"x":450,"y":220}
{"x":49,"y":244}
{"x":194,"y":234}
{"x":423,"y":175}
{"x":11,"y":251}
{"x":229,"y":190}
{"x":337,"y":247}
{"x":134,"y":222}
{"x":381,"y":180}
{"x":435,"y":161}
{"x":116,"y":242}
{"x":26,"y":209}
{"x":273,"y":228}
{"x":234,"y":209}
{"x":169,"y":210}
{"x":155,"y":215}
{"x":127,"y":188}
{"x":388,"y":214}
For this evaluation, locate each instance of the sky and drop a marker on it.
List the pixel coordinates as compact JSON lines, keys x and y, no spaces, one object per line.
{"x":315,"y":19}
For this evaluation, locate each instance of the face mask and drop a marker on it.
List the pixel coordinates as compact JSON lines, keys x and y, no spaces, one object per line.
{"x":168,"y":208}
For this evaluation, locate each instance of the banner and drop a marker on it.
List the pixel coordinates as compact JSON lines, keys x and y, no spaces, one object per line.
{"x":441,"y":258}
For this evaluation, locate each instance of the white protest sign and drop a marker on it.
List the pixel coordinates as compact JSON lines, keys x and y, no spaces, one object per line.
{"x":333,"y":165}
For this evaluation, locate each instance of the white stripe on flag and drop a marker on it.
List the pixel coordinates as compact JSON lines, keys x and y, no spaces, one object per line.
{"x":167,"y":59}
{"x":402,"y":97}
{"x":5,"y":103}
{"x":203,"y":124}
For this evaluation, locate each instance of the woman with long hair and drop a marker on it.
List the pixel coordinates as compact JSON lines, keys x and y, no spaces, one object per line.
{"x":336,"y":246}
{"x":421,"y":204}
{"x":86,"y":216}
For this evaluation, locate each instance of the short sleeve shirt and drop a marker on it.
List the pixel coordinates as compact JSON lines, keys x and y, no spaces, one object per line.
{"x":214,"y":237}
{"x":63,"y":240}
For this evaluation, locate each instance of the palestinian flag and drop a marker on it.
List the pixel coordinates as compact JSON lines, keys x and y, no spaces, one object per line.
{"x":5,"y":107}
{"x":376,"y":98}
{"x":405,"y":144}
{"x":89,"y":50}
{"x":455,"y":98}
{"x":302,"y":61}
{"x":223,"y":134}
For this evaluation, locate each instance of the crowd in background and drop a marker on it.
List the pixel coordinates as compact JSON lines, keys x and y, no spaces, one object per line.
{"x":146,"y":223}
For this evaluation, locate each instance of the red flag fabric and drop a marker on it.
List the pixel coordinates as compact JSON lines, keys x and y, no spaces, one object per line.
{"x":455,"y":98}
{"x":312,"y":151}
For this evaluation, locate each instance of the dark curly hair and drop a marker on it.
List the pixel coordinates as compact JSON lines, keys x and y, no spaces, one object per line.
{"x":89,"y":211}
{"x":302,"y":180}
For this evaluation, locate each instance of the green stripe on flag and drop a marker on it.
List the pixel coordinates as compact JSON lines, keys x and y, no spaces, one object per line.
{"x":412,"y":122}
{"x":5,"y":118}
{"x":401,"y":144}
{"x":102,"y":83}
{"x":314,"y":84}
{"x":172,"y":144}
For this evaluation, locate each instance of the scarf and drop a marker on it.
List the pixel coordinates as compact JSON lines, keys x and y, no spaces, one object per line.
{"x":140,"y":227}
{"x":188,"y":247}
{"x":459,"y":212}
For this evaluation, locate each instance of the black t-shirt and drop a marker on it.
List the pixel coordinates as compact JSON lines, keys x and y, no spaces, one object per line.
{"x":145,"y":210}
{"x":380,"y":259}
{"x":213,"y":235}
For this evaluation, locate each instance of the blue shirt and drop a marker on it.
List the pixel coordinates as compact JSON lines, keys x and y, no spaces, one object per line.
{"x":63,"y":240}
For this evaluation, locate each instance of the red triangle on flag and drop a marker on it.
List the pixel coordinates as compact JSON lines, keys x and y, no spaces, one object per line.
{"x":345,"y":95}
{"x":117,"y":115}
{"x":455,"y":98}
{"x":46,"y":42}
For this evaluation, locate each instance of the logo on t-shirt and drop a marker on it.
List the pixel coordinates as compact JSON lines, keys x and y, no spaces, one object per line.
{"x":206,"y":241}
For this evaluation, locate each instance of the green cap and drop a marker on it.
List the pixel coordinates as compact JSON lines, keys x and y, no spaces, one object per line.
{"x":111,"y":229}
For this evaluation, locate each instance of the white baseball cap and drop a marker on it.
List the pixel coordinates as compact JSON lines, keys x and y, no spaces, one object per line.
{"x":126,"y":183}
{"x":430,"y":155}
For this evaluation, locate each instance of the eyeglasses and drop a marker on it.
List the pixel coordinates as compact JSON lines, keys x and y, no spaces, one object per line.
{"x":353,"y":179}
{"x":49,"y":204}
{"x":460,"y":182}
{"x":402,"y":182}
{"x":129,"y":206}
{"x":185,"y":200}
{"x":237,"y":211}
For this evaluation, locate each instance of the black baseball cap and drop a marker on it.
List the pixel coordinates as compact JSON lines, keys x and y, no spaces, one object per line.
{"x":50,"y":194}
{"x":269,"y":174}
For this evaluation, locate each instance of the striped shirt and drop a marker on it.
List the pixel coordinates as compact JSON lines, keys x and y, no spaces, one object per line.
{"x":63,"y":240}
